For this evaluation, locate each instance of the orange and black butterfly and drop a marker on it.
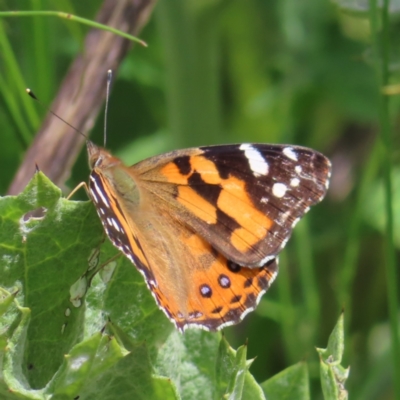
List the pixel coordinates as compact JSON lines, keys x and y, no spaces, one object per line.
{"x":205,"y":225}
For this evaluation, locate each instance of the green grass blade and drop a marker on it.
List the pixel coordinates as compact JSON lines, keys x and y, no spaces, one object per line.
{"x":71,"y":17}
{"x":11,"y":65}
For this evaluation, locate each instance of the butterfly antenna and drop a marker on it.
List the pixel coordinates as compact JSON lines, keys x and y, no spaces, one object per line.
{"x":109,"y":78}
{"x":30,"y":93}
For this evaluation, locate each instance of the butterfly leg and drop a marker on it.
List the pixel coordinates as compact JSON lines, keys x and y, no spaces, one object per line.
{"x":82,"y":184}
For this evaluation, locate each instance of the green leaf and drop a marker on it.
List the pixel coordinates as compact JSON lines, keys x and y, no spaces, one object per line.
{"x":334,"y":375}
{"x":291,"y":383}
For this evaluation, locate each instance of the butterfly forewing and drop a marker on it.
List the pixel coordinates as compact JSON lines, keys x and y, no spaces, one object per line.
{"x":204,"y":225}
{"x":244,"y":199}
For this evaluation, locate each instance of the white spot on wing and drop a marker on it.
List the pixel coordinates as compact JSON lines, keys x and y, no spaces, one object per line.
{"x":279,"y":189}
{"x":115,"y":225}
{"x":95,"y":199}
{"x":298,"y":169}
{"x":290,"y":153}
{"x":256,"y":161}
{"x":295,"y":182}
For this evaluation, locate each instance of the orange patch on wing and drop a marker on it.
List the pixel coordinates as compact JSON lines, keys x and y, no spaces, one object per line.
{"x":235,"y":202}
{"x":206,"y":168}
{"x":197,"y":205}
{"x":174,"y":175}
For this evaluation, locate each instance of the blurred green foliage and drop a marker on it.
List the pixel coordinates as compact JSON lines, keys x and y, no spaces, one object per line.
{"x":232,"y":71}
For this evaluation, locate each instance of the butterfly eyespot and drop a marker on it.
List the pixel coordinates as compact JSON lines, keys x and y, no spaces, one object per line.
{"x":236,"y":299}
{"x":224,"y":281}
{"x":205,"y":291}
{"x":233,"y":267}
{"x":217,"y":310}
{"x":248,"y":282}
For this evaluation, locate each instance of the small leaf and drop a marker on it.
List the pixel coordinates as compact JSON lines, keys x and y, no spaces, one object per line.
{"x":291,"y":383}
{"x":333,"y":375}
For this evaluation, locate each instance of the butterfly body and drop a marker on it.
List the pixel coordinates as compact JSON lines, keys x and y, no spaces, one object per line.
{"x":205,"y":225}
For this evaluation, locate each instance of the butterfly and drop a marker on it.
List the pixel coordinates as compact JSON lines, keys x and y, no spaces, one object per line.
{"x":205,"y":225}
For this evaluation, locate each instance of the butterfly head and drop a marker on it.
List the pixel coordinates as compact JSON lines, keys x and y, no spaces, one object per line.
{"x":99,"y":157}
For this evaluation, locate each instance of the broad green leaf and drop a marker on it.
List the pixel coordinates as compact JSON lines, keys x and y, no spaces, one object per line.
{"x":291,"y":383}
{"x":334,"y":375}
